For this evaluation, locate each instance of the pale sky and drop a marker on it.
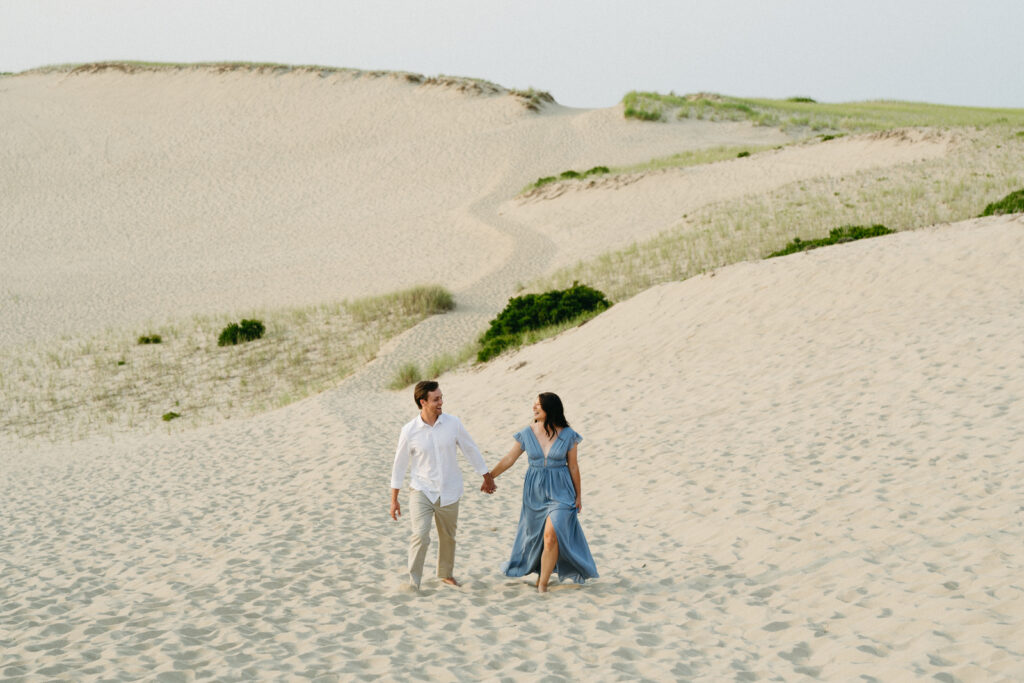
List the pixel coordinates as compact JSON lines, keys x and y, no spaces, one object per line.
{"x":587,"y":53}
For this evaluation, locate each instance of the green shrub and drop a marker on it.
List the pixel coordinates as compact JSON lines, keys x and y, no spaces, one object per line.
{"x":801,"y":99}
{"x":1011,"y":203}
{"x":597,"y":170}
{"x":151,"y":339}
{"x":742,"y":154}
{"x":235,"y":333}
{"x":535,"y":311}
{"x":846,"y":233}
{"x":569,"y":174}
{"x":544,"y":181}
{"x":170,"y":416}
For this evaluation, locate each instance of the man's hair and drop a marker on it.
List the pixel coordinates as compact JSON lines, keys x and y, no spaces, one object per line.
{"x":422,"y":389}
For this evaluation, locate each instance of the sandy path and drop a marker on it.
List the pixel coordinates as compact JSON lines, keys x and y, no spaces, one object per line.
{"x":808,"y":465}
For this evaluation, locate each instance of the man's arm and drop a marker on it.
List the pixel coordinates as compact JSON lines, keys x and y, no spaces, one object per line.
{"x":475,"y":457}
{"x":398,"y":471}
{"x":396,"y":508}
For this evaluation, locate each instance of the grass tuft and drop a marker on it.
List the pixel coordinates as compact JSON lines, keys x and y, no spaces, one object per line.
{"x":405,"y":375}
{"x":150,"y":339}
{"x":420,"y":301}
{"x":239,"y":333}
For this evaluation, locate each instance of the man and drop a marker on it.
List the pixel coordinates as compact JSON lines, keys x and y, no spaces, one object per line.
{"x":428,"y":443}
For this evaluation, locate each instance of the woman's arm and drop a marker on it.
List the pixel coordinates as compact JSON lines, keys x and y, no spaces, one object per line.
{"x":574,"y":472}
{"x":509,"y":460}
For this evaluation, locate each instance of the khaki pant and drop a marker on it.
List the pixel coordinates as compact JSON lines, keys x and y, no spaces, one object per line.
{"x":445,"y":517}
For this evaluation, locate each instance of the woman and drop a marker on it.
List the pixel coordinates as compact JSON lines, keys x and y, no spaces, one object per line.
{"x":549,"y":537}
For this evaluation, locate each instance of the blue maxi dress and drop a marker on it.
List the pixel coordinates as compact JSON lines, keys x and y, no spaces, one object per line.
{"x":548,"y":491}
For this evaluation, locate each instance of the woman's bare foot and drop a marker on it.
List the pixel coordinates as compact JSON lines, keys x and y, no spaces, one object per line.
{"x":452,"y":582}
{"x":542,"y":588}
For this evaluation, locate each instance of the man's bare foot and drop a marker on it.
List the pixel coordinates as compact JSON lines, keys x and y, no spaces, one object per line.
{"x":452,"y":582}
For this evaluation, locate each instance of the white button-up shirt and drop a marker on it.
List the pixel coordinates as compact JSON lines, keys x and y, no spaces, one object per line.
{"x":431,"y":452}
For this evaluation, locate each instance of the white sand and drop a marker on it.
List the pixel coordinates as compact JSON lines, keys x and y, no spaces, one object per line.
{"x":803,"y":466}
{"x":137,"y":197}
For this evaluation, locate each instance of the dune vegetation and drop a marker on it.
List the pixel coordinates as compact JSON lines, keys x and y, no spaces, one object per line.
{"x":804,"y":112}
{"x":983,"y":166}
{"x":73,"y":388}
{"x":129,"y":383}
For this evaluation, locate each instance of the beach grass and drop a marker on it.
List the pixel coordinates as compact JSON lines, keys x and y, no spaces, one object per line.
{"x":983,"y":166}
{"x":72,"y":388}
{"x":684,"y":159}
{"x":804,"y":113}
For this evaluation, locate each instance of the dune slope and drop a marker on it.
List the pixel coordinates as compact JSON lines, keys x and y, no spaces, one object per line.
{"x":807,"y":465}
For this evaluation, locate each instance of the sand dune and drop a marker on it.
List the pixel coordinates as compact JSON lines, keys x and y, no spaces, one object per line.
{"x":808,"y":465}
{"x":172,"y":192}
{"x":805,"y":466}
{"x":587,"y":218}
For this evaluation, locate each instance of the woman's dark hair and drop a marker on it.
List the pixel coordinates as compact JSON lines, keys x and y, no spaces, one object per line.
{"x":422,"y":389}
{"x":554,"y":413}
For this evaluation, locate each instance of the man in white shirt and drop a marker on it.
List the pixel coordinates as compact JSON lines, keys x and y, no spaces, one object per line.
{"x":428,"y":443}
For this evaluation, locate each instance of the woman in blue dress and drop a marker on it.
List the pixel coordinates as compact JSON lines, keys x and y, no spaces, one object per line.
{"x":549,"y":538}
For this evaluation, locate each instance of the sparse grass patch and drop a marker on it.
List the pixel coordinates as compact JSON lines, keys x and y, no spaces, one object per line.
{"x":799,"y":112}
{"x":72,"y":388}
{"x":908,"y":196}
{"x":150,"y":339}
{"x":692,"y":157}
{"x":1011,"y":203}
{"x":570,"y":175}
{"x":533,"y":99}
{"x":416,"y":301}
{"x":636,"y":106}
{"x":846,"y":233}
{"x":405,"y":375}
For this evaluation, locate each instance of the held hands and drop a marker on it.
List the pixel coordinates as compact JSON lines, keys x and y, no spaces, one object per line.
{"x":488,"y":486}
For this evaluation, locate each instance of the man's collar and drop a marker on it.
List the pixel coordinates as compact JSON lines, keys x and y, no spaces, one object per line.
{"x":421,"y":423}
